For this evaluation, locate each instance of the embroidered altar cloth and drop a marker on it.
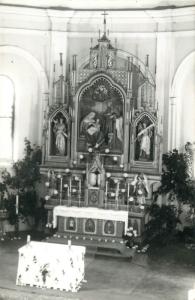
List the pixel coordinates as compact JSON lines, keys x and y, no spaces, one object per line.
{"x":90,"y":212}
{"x":51,"y":265}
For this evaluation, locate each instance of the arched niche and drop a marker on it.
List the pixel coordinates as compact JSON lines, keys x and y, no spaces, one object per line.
{"x":7,"y":118}
{"x":100,"y":115}
{"x":182,"y":104}
{"x":29,"y":94}
{"x":59,"y":132}
{"x":144,"y":138}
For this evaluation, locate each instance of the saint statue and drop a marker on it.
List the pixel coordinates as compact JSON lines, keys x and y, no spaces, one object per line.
{"x":144,"y":138}
{"x":61,"y":136}
{"x":110,"y":60}
{"x":139,"y":188}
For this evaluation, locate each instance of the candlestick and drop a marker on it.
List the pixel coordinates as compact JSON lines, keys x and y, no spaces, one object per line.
{"x":17,"y":204}
{"x":61,"y":179}
{"x":117,"y":192}
{"x":106,"y":187}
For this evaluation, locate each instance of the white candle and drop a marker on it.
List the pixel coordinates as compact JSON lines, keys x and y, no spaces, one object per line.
{"x":128,"y":190}
{"x":70,"y":192}
{"x":17,"y":204}
{"x":28,"y":238}
{"x":106,"y":194}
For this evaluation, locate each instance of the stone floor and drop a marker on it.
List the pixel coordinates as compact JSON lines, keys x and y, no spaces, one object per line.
{"x":107,"y":279}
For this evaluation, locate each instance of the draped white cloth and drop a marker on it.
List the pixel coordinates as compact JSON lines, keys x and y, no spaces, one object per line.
{"x":90,"y":212}
{"x":51,"y":265}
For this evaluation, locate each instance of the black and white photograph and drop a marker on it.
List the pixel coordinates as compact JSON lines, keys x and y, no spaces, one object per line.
{"x":97,"y":149}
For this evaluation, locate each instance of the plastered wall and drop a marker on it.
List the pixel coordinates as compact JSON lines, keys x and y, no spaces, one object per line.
{"x":31,"y":39}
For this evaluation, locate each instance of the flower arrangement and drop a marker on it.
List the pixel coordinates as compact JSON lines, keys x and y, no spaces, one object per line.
{"x":130,"y":237}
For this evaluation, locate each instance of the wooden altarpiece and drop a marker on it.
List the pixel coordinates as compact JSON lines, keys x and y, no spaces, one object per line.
{"x":106,"y":116}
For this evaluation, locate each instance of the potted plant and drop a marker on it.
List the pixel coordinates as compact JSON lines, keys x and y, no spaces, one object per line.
{"x":20,"y":186}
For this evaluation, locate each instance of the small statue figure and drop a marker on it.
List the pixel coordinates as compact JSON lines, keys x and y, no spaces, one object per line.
{"x":145,"y":135}
{"x":110,"y":60}
{"x":143,"y":138}
{"x":60,"y":142}
{"x":139,"y":188}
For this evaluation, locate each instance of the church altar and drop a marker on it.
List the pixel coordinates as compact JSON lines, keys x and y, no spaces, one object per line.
{"x":102,"y":146}
{"x":92,"y":212}
{"x":54,"y":266}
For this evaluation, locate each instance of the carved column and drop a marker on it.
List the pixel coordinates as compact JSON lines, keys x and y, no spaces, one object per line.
{"x":172,"y":123}
{"x":128,"y":112}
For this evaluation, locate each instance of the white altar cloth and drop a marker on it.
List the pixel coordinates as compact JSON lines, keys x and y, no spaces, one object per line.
{"x":90,"y":212}
{"x":51,"y":265}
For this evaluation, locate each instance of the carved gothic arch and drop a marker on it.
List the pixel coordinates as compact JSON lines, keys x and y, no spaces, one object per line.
{"x":175,"y":102}
{"x":91,"y":81}
{"x":54,"y":115}
{"x":91,"y":84}
{"x":145,"y":122}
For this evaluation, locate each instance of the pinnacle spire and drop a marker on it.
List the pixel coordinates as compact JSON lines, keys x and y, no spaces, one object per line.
{"x":104,"y":14}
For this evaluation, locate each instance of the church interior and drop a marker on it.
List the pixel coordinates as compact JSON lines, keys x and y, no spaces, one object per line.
{"x":97,"y":156}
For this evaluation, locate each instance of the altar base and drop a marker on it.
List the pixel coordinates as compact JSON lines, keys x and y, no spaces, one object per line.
{"x":115,"y":248}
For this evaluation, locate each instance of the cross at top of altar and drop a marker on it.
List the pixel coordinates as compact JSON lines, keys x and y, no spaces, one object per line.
{"x":104,"y":37}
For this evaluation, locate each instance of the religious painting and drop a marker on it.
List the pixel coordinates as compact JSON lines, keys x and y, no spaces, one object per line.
{"x":100,"y":119}
{"x":90,"y":226}
{"x":109,"y":228}
{"x":58,"y":135}
{"x":71,"y":224}
{"x":144,"y":142}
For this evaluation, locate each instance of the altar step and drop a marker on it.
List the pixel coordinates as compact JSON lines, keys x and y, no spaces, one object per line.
{"x":94,"y":247}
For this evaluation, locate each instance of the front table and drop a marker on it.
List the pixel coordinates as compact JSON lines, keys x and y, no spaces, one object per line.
{"x":90,"y":212}
{"x":49,"y":265}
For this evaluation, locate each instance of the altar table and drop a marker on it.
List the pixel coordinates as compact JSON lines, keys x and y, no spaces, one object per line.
{"x":50,"y":265}
{"x":90,"y":212}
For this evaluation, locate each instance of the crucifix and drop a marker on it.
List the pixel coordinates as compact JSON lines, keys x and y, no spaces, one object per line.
{"x":104,"y":14}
